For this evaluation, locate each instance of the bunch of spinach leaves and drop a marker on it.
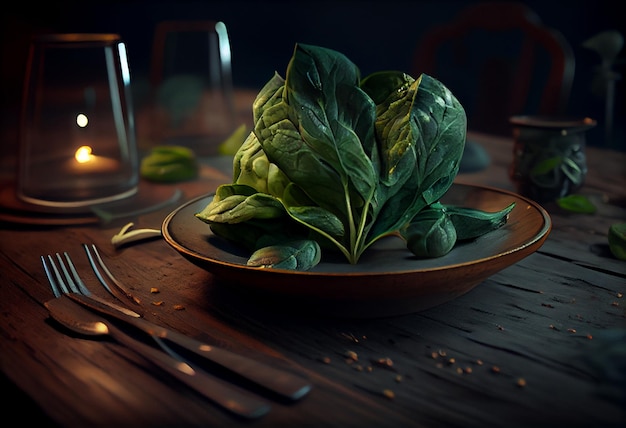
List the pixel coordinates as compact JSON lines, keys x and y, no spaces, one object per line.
{"x":337,"y":162}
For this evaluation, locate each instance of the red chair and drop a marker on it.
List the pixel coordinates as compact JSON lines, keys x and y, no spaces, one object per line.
{"x":499,"y":60}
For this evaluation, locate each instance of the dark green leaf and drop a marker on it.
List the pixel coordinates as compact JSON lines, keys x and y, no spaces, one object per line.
{"x":431,"y":233}
{"x":432,"y":137}
{"x":546,"y":165}
{"x":617,"y":240}
{"x":471,"y":223}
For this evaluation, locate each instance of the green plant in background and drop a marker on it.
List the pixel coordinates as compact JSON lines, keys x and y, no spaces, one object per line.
{"x":168,"y":164}
{"x":230,"y":145}
{"x":617,"y":231}
{"x":617,"y":240}
{"x":338,"y":162}
{"x":576,"y":203}
{"x":549,"y":168}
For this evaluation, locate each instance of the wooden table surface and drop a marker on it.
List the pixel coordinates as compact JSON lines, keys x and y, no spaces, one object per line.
{"x":541,"y":343}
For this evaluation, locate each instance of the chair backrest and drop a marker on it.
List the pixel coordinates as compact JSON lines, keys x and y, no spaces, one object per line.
{"x":499,"y":60}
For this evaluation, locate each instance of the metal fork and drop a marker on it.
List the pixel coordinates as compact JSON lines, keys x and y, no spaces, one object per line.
{"x":74,"y":316}
{"x":279,"y":381}
{"x":72,"y":283}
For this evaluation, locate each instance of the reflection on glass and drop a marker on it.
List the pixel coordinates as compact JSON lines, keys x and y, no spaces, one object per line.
{"x":77,"y":137}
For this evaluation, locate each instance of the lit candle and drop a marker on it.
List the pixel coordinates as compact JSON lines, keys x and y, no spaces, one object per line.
{"x":86,"y":162}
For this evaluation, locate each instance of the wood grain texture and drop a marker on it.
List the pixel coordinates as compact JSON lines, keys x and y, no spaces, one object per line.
{"x":536,"y":344}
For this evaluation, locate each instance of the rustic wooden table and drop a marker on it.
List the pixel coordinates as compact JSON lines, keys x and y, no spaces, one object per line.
{"x":541,"y":343}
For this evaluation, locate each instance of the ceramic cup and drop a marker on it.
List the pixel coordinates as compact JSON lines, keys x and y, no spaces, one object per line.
{"x":76,"y":139}
{"x":549,"y":159}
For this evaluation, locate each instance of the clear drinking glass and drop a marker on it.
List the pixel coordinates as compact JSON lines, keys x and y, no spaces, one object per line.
{"x":192,"y":89}
{"x":77,"y":139}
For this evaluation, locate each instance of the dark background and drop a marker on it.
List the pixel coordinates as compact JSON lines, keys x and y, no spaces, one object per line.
{"x":375,"y":35}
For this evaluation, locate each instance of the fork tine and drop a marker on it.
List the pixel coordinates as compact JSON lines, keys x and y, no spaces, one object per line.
{"x":70,"y":284}
{"x":82,"y":289}
{"x":53,"y":283}
{"x":97,"y":271}
{"x":118,"y":289}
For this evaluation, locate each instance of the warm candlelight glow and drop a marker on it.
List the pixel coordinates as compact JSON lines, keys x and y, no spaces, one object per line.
{"x":82,"y":120}
{"x":85,"y":161}
{"x":83,"y":154}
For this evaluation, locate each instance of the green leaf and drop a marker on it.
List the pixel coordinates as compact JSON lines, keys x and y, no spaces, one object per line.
{"x":576,"y":203}
{"x":168,"y":164}
{"x":546,"y":165}
{"x":230,"y":145}
{"x":251,"y":167}
{"x":425,"y":136}
{"x":381,"y":84}
{"x":617,"y":240}
{"x":431,"y":233}
{"x":254,"y":234}
{"x":348,"y":160}
{"x":294,"y":255}
{"x":227,"y":207}
{"x":316,"y":136}
{"x":471,"y":223}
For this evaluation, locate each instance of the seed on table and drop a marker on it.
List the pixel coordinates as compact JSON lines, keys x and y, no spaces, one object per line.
{"x":384,"y":362}
{"x":389,"y":393}
{"x":521,"y":382}
{"x":351,"y":355}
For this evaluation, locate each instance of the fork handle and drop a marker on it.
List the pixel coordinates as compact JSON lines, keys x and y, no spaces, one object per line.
{"x":226,"y":395}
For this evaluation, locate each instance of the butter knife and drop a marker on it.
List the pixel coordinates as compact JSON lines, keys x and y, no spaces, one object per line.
{"x":281,"y":382}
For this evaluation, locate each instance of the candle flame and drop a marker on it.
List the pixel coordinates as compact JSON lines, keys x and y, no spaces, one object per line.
{"x":83,"y":154}
{"x":82,"y":120}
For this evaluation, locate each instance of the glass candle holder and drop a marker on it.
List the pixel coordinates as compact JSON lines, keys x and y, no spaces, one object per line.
{"x":77,"y":139}
{"x":549,"y":159}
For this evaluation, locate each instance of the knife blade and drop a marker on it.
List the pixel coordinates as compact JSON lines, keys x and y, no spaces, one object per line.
{"x":279,"y":381}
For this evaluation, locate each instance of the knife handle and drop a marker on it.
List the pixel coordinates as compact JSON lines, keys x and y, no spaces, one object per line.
{"x":277,"y":380}
{"x":281,"y":382}
{"x":226,"y":395}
